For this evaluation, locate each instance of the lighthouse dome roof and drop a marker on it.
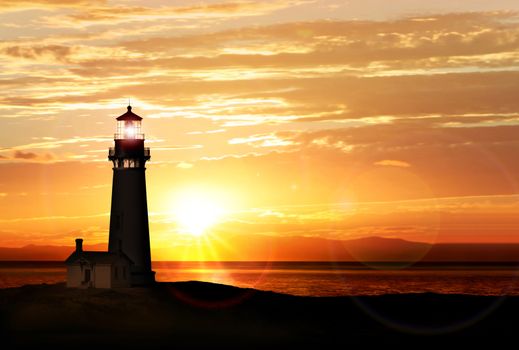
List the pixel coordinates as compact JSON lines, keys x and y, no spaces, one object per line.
{"x":129,"y":115}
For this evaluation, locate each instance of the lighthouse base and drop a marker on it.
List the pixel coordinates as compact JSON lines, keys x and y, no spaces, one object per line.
{"x":143,"y":278}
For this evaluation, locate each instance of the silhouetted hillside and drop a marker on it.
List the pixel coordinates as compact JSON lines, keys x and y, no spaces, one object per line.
{"x":213,"y":316}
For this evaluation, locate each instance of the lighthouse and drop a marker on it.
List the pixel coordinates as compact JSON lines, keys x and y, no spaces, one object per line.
{"x":128,"y":260}
{"x":129,"y":230}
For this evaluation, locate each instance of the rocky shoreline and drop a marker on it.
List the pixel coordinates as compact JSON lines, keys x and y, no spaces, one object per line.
{"x":200,"y":314}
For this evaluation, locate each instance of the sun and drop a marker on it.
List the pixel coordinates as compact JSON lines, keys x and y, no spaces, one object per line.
{"x":196,"y":212}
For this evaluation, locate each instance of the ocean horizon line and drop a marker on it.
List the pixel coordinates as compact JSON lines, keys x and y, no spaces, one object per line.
{"x":302,"y":262}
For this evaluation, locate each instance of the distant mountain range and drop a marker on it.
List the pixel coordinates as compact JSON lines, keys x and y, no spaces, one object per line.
{"x":265,"y":248}
{"x":43,"y":252}
{"x":257,"y":247}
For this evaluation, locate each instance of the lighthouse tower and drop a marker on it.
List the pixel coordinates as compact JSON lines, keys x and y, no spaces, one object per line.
{"x":129,"y":230}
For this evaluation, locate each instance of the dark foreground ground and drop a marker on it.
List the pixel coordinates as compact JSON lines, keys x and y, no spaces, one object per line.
{"x":198,"y":314}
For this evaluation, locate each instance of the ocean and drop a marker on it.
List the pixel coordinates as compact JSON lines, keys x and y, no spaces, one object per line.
{"x":309,"y":278}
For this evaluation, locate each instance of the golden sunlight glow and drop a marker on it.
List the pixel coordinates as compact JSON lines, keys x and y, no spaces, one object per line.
{"x":269,"y":123}
{"x":196,"y":212}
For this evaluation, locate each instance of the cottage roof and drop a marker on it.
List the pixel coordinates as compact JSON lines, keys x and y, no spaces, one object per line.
{"x":96,"y":257}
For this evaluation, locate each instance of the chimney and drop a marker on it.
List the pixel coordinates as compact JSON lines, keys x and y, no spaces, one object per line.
{"x":79,"y":245}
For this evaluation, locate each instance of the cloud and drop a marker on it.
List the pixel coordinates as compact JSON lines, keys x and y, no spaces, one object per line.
{"x":31,"y":156}
{"x":24,"y":155}
{"x":45,"y":4}
{"x":392,"y":162}
{"x":345,"y":68}
{"x":117,"y":14}
{"x":57,"y":143}
{"x":184,"y":165}
{"x":176,"y":147}
{"x":349,"y":163}
{"x":335,"y":33}
{"x":328,"y":98}
{"x":32,"y":151}
{"x":269,"y":140}
{"x":50,"y":218}
{"x":403,"y":134}
{"x":401,"y":44}
{"x":59,"y":52}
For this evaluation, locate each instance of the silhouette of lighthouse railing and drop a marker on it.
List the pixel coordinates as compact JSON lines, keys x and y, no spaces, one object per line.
{"x":124,"y":154}
{"x":129,"y":228}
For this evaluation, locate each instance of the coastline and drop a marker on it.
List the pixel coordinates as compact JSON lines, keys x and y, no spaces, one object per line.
{"x":201,"y":314}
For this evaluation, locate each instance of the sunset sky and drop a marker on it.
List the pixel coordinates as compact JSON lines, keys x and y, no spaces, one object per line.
{"x":317,"y":118}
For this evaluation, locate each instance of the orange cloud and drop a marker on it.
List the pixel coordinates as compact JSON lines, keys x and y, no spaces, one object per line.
{"x":43,"y":4}
{"x":24,"y":155}
{"x":262,"y":141}
{"x":58,"y":52}
{"x":392,"y":162}
{"x":386,"y":62}
{"x":117,"y":14}
{"x":34,"y":157}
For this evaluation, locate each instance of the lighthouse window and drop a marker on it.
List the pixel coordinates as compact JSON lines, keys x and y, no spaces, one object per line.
{"x":129,"y":163}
